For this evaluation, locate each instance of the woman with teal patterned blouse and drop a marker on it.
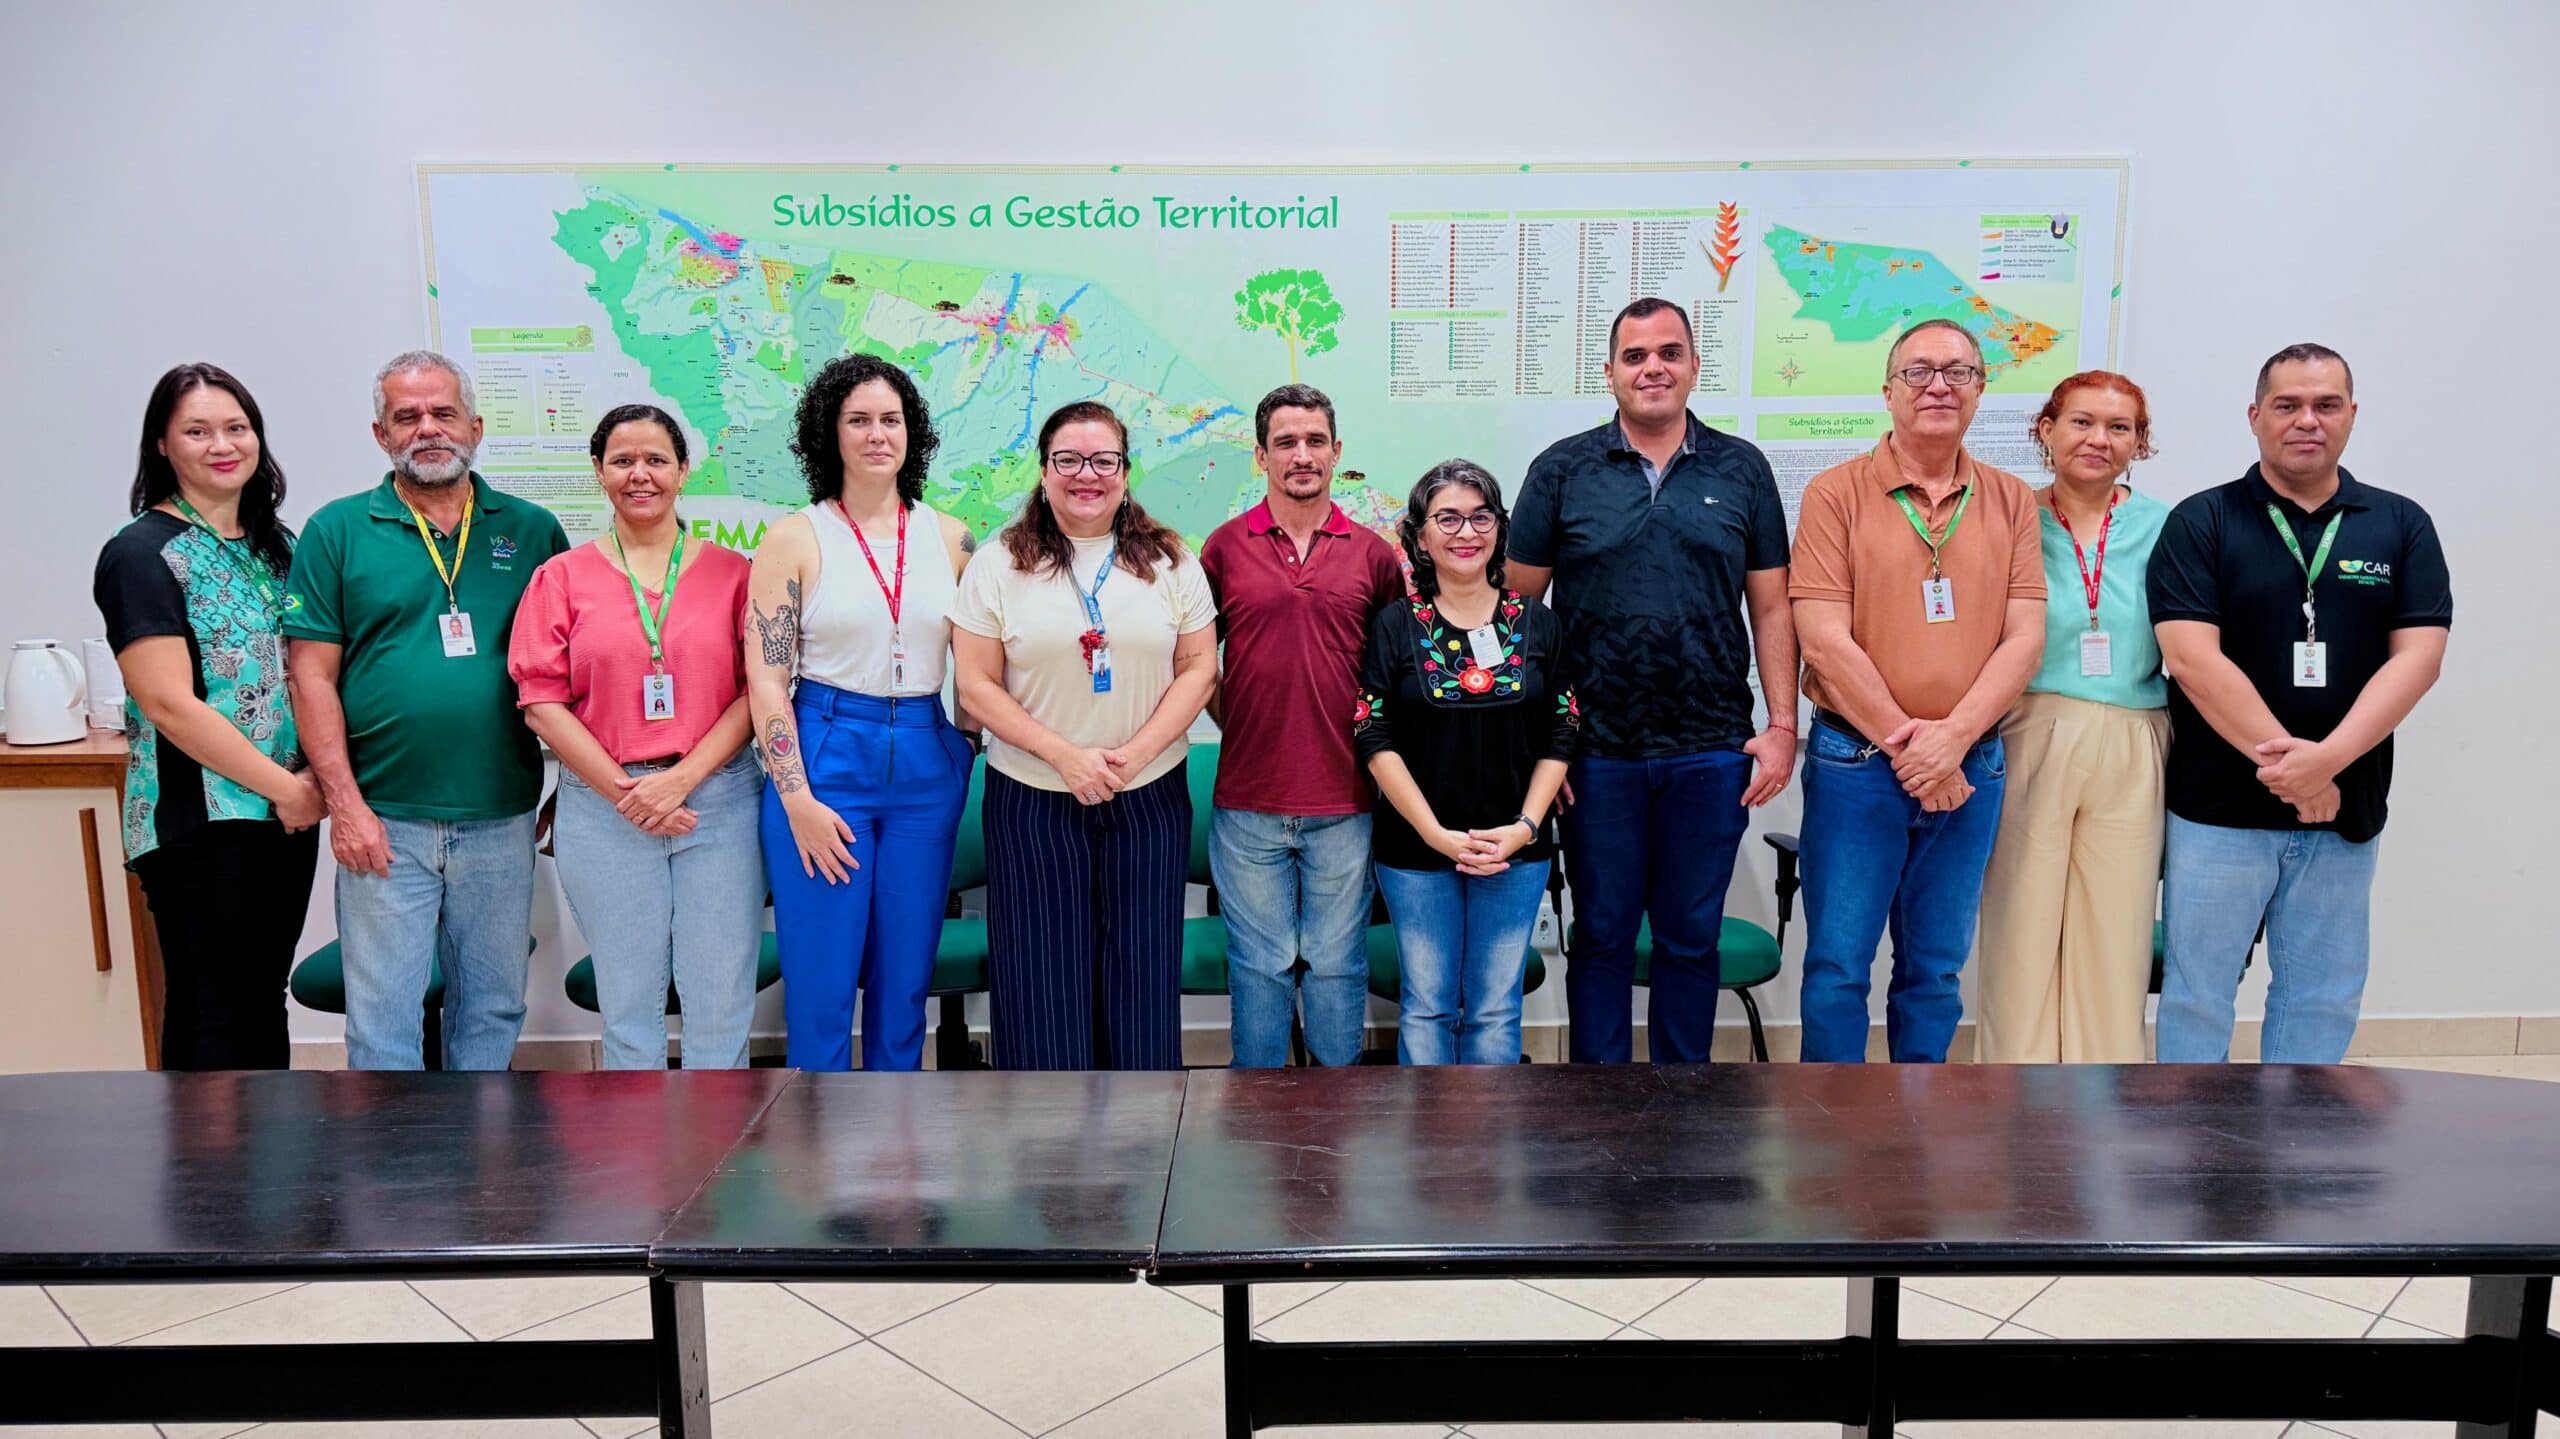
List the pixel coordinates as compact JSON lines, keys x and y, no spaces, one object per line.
{"x":220,"y":814}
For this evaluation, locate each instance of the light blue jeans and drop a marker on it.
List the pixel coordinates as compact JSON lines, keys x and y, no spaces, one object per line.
{"x":1463,"y":940}
{"x":1294,"y":887}
{"x":461,"y":889}
{"x":2313,"y":890}
{"x":689,"y":908}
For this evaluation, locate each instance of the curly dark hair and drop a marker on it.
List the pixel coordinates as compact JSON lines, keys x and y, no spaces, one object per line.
{"x":1417,"y":513}
{"x":813,"y":439}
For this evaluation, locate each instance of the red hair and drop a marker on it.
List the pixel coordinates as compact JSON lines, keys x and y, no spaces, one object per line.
{"x":2096,"y":380}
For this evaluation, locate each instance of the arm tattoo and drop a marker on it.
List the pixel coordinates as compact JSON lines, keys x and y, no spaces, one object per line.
{"x":782,"y":757}
{"x":968,"y":542}
{"x":779,"y":632}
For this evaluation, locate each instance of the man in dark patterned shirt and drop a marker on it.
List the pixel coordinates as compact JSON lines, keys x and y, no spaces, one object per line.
{"x":1659,"y":534}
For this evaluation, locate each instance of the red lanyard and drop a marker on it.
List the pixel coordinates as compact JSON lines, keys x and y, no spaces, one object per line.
{"x":889,"y":592}
{"x":2089,"y":577}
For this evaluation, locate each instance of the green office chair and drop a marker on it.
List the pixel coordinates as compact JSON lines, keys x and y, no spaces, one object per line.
{"x":580,"y":982}
{"x":319,"y":982}
{"x":1747,"y":955}
{"x":960,"y":961}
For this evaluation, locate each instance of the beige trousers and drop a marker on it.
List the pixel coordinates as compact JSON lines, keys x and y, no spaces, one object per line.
{"x":2074,"y":884}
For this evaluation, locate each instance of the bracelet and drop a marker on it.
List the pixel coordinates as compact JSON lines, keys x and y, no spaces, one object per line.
{"x":1789,"y":727}
{"x":1523,"y":818}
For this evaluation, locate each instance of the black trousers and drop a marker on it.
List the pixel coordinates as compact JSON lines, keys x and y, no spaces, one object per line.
{"x":229,"y":902}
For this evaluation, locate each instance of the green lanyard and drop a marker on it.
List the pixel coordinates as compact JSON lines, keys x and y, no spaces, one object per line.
{"x":1911,"y":512}
{"x":651,"y":625}
{"x":260,"y":577}
{"x":2311,"y":568}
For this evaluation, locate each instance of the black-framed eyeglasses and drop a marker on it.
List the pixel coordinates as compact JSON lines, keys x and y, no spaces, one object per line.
{"x":1102,"y":464}
{"x":1450,"y":522}
{"x":1919,"y":376}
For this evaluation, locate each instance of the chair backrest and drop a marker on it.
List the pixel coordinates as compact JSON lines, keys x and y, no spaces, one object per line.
{"x":969,"y":850}
{"x":1203,"y":766}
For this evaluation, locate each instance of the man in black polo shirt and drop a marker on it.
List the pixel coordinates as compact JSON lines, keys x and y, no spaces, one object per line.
{"x":2302,"y":614}
{"x":1658,"y":530}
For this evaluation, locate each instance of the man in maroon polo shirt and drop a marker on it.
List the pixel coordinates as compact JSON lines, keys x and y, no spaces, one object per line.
{"x":1296,"y":583}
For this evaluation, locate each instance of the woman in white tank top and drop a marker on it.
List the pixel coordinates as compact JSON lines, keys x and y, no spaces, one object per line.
{"x":848,"y":645}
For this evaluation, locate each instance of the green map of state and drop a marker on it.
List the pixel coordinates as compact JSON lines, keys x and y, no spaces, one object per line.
{"x":1860,"y":295}
{"x":728,"y":330}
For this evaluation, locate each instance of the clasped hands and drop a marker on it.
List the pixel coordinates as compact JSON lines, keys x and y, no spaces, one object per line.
{"x":2303,"y":774}
{"x":1094,"y":775}
{"x":1928,"y":757}
{"x":1482,"y":851}
{"x":655,"y":802}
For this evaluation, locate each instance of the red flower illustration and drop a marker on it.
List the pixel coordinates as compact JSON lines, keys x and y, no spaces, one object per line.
{"x":1360,"y":712}
{"x":1476,"y":680}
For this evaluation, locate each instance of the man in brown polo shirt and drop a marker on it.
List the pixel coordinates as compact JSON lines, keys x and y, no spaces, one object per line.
{"x":1919,"y":600}
{"x":1296,"y":582}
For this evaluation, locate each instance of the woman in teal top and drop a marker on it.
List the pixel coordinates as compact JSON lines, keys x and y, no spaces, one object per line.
{"x":2069,"y":899}
{"x":220,"y":813}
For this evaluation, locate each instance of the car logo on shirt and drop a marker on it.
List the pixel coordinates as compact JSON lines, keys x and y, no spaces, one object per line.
{"x":2365,"y":572}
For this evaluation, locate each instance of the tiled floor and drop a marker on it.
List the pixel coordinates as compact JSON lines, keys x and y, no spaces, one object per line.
{"x":964,"y":1361}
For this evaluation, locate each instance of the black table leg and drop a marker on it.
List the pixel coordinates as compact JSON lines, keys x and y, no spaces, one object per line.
{"x":684,"y":1380}
{"x":2514,"y":1312}
{"x":1875,"y":1336}
{"x":1238,"y":1310}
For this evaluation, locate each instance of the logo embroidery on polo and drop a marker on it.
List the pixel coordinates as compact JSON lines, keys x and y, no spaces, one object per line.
{"x":502,"y":553}
{"x":292,"y":604}
{"x":2365,"y":572}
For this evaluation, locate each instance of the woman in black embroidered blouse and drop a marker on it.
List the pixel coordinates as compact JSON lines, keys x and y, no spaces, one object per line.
{"x":1464,"y":722}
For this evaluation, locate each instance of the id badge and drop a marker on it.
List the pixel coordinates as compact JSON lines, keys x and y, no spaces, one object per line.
{"x":658,"y":697}
{"x":2311,"y":665}
{"x":897,"y":664}
{"x":1102,"y":670}
{"x":1938,"y":600}
{"x":1486,"y":646}
{"x":454,"y":628}
{"x":2097,"y":654}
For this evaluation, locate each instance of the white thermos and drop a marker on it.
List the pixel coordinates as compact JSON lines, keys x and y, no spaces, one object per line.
{"x":47,"y":694}
{"x":106,"y":686}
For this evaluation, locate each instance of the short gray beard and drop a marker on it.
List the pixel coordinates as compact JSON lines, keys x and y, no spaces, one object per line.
{"x":436,"y":477}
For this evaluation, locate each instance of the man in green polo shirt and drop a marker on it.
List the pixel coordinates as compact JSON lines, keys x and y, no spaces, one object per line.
{"x":399,"y":609}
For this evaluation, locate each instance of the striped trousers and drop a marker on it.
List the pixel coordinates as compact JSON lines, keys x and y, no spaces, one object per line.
{"x":1084,"y":924}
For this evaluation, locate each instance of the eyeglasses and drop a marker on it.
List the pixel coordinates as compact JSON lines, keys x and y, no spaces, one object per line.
{"x":1450,"y":521}
{"x":1919,"y":376}
{"x":1102,"y":464}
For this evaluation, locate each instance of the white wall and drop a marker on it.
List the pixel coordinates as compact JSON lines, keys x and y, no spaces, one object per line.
{"x":234,"y":182}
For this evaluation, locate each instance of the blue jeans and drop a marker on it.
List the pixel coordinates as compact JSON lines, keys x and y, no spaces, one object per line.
{"x":1293,"y":887}
{"x":1873,"y":860}
{"x":459,"y":889}
{"x":1651,"y":836}
{"x":625,"y":886}
{"x":897,"y":774}
{"x":2313,"y":890}
{"x":1463,"y":941}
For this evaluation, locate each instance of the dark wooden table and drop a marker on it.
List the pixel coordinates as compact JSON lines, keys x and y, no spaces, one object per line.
{"x":970,"y":1175}
{"x":109,"y":1178}
{"x":1872,"y":1173}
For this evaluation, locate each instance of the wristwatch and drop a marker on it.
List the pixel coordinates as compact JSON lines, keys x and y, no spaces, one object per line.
{"x":1523,"y":818}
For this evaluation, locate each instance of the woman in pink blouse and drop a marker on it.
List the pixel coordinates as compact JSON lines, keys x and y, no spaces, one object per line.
{"x":628,"y":658}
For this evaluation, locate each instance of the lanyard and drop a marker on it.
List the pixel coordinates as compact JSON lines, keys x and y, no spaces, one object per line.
{"x":653,"y":625}
{"x":435,"y":557}
{"x":1093,"y":598}
{"x":2310,"y":568}
{"x":892,"y":593}
{"x":2089,"y":576}
{"x":260,"y":577}
{"x":1911,"y":512}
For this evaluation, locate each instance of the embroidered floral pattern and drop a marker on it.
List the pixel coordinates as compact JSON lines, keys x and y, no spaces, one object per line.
{"x":1450,"y":673}
{"x":1569,"y":710}
{"x":1367,"y":708}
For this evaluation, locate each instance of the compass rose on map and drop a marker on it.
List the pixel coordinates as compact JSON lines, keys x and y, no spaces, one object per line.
{"x":1790,"y":372}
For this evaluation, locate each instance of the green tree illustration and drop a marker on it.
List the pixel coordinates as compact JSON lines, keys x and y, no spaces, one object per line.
{"x":1298,"y":305}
